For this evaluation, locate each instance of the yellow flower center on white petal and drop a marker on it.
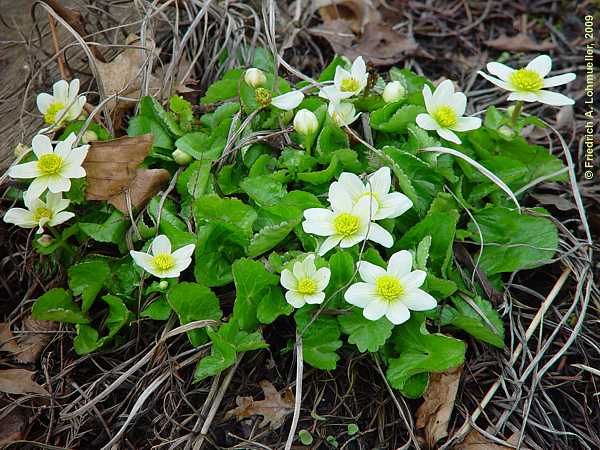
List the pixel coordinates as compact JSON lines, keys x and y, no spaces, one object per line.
{"x":527,"y":80}
{"x":388,"y":287}
{"x":52,"y":111}
{"x":346,"y":224}
{"x":445,"y":116}
{"x":42,"y":212}
{"x":50,"y":163}
{"x":263,"y":97}
{"x":349,"y":85}
{"x":306,"y":286}
{"x":163,"y":262}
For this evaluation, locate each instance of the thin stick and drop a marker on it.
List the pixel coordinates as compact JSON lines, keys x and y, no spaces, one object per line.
{"x":62,"y":67}
{"x":298,"y":394}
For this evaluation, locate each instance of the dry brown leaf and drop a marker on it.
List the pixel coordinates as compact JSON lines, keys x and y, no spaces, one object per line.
{"x":357,"y":12}
{"x":112,"y":170}
{"x":434,"y":413}
{"x":274,"y":408}
{"x":475,"y":441}
{"x":380,"y":44}
{"x":12,"y":426}
{"x":519,"y":43}
{"x":18,"y":381}
{"x":8,"y":342}
{"x":32,"y":343}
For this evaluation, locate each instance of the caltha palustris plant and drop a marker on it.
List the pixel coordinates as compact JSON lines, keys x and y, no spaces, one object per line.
{"x":349,"y":237}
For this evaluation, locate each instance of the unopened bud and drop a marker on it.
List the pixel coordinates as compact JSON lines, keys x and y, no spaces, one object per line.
{"x":89,"y":136}
{"x":394,"y":92}
{"x":255,"y":77}
{"x":506,"y":131}
{"x":164,"y":284}
{"x":305,"y":122}
{"x":45,"y":240}
{"x":181,"y":157}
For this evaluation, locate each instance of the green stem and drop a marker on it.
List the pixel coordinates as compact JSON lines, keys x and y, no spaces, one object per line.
{"x":516,"y":113}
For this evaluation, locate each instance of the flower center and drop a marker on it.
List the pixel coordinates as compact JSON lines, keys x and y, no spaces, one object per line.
{"x":50,"y":163}
{"x":41,"y":213}
{"x":445,"y":116}
{"x":349,"y":85}
{"x":527,"y":80}
{"x":163,"y":261}
{"x":388,"y":287}
{"x":346,"y":224}
{"x":306,"y":286}
{"x":263,"y":97}
{"x":52,"y":111}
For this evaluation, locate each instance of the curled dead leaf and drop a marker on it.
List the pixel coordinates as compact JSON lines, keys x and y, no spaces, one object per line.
{"x":112,"y":172}
{"x":38,"y":335}
{"x":18,"y":381}
{"x":433,"y":416}
{"x":379,"y":44}
{"x":476,"y":441}
{"x":357,"y":12}
{"x":274,"y":408}
{"x":519,"y":43}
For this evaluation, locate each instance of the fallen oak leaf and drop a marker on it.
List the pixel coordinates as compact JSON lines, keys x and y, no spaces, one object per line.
{"x":521,"y":42}
{"x":18,"y":381}
{"x":433,"y":416}
{"x":35,"y":340}
{"x":112,"y":172}
{"x":274,"y":408}
{"x":357,"y":12}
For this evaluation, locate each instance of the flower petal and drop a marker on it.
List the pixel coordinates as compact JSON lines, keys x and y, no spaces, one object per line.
{"x":448,"y":135}
{"x":340,"y":74}
{"x":443,"y":94}
{"x":428,"y":97}
{"x":161,"y":244}
{"x":380,"y":235}
{"x":340,"y":198}
{"x":376,"y":309}
{"x":332,"y":94}
{"x":315,"y":299}
{"x":542,"y":65}
{"x":318,"y":228}
{"x":26,"y":170}
{"x":288,"y":101}
{"x":496,"y":81}
{"x":351,"y":241}
{"x":58,"y":183}
{"x":400,"y":264}
{"x":352,"y":184}
{"x":413,"y":280}
{"x":380,"y":181}
{"x":397,"y":313}
{"x":329,"y":243}
{"x":322,"y":278}
{"x":393,"y":205}
{"x":183,"y":256}
{"x":525,"y":96}
{"x":559,"y":80}
{"x":554,"y":98}
{"x":359,"y":68}
{"x":360,"y":294}
{"x":295,"y":299}
{"x":73,"y":89}
{"x":41,"y":145}
{"x":459,"y":103}
{"x":20,"y":217}
{"x":72,"y":171}
{"x":288,"y":280}
{"x":418,"y":300}
{"x":60,"y":90}
{"x":467,"y":123}
{"x":144,"y":260}
{"x":44,"y":101}
{"x":61,"y":217}
{"x":500,"y":70}
{"x":369,"y":272}
{"x":309,"y":266}
{"x":37,"y":186}
{"x":318,"y":214}
{"x":299,"y":270}
{"x":426,"y":122}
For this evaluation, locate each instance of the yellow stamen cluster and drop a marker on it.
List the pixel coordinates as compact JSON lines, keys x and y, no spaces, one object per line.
{"x":263,"y":97}
{"x":388,"y":287}
{"x":41,"y":213}
{"x":526,"y":80}
{"x":349,"y":85}
{"x":445,"y":116}
{"x":163,"y":262}
{"x":346,"y":224}
{"x":306,"y":286}
{"x":53,"y":110}
{"x":50,"y":163}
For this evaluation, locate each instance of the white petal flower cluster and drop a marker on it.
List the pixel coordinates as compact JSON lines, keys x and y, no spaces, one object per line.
{"x":64,"y":105}
{"x":162,"y":262}
{"x":39,"y":213}
{"x":529,"y":83}
{"x":257,"y":79}
{"x":305,"y":284}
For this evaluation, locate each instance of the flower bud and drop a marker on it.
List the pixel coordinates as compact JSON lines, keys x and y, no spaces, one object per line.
{"x":164,"y":284}
{"x":506,"y":131}
{"x":394,"y":92}
{"x":89,"y":136}
{"x":21,"y":150}
{"x":255,"y":77}
{"x":181,"y":157}
{"x":45,"y":240}
{"x":305,"y":122}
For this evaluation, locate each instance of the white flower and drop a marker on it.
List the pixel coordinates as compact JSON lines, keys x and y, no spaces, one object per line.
{"x":392,"y":292}
{"x":445,"y":110}
{"x":305,"y":122}
{"x":342,"y":113}
{"x":163,"y":263}
{"x":346,"y":223}
{"x":394,"y":91}
{"x":287,"y":101}
{"x":527,"y":84}
{"x":39,"y":213}
{"x":385,"y":205}
{"x":255,"y":77}
{"x":305,"y":284}
{"x":54,"y":167}
{"x":347,"y":83}
{"x":64,"y":105}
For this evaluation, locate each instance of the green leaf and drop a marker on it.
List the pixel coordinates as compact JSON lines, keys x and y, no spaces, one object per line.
{"x":183,"y":110}
{"x":87,"y":279}
{"x":421,"y":352}
{"x":194,"y":181}
{"x":367,"y":335}
{"x":140,"y":125}
{"x":264,"y":190}
{"x":222,"y":356}
{"x":201,"y":146}
{"x":320,"y":340}
{"x":423,"y":253}
{"x":223,"y":112}
{"x":341,"y":265}
{"x":158,"y":310}
{"x":463,"y":316}
{"x":321,"y":176}
{"x":272,"y":306}
{"x":513,"y":241}
{"x":212,"y":208}
{"x":191,"y":302}
{"x":58,"y":305}
{"x":223,"y":89}
{"x":328,"y":73}
{"x":87,"y":339}
{"x":76,"y":126}
{"x":111,"y":230}
{"x":252,"y":281}
{"x":395,"y":117}
{"x":296,"y":160}
{"x":269,"y":236}
{"x":331,"y":138}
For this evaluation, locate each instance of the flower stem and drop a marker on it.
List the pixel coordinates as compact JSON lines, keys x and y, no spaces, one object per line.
{"x":518,"y":107}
